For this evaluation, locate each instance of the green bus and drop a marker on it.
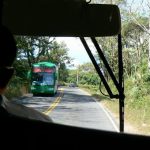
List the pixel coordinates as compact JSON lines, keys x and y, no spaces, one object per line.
{"x":44,"y":78}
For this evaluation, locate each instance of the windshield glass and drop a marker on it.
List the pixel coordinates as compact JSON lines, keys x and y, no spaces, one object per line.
{"x":43,"y":78}
{"x":76,"y":84}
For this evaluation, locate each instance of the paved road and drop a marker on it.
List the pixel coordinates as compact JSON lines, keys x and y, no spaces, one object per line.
{"x":72,"y":106}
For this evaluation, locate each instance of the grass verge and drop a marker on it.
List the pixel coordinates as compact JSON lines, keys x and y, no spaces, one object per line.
{"x":136,"y":115}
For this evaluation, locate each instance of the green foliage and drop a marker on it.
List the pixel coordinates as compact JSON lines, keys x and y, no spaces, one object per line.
{"x":21,"y":69}
{"x":72,"y":76}
{"x":14,"y":88}
{"x":146,"y":77}
{"x":86,"y":74}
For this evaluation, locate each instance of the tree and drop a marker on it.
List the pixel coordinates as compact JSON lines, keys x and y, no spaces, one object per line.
{"x":86,"y":74}
{"x":34,"y":49}
{"x":135,"y":45}
{"x":142,"y":9}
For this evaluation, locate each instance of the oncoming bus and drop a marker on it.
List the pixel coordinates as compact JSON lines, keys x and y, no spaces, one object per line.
{"x":44,"y":78}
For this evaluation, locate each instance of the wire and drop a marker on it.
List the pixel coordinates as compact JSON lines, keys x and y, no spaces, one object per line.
{"x":101,"y":90}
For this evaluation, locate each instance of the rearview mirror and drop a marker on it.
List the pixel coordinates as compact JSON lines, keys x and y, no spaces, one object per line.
{"x":64,"y":18}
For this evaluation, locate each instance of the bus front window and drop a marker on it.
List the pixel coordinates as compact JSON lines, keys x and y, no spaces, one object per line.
{"x":42,"y":79}
{"x":48,"y":79}
{"x":37,"y":77}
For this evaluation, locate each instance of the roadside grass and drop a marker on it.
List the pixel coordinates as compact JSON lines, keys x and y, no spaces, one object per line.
{"x":12,"y":92}
{"x":137,"y":106}
{"x":139,"y":114}
{"x":16,"y":88}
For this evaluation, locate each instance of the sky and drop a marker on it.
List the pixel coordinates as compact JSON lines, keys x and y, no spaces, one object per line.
{"x":76,"y":49}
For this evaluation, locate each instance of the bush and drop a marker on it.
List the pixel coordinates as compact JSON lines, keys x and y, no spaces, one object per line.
{"x":14,"y":88}
{"x":146,"y":77}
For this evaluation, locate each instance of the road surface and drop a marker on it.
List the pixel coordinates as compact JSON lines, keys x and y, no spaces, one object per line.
{"x":72,"y":106}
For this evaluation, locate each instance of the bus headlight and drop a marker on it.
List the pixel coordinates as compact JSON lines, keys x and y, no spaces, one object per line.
{"x":50,"y":89}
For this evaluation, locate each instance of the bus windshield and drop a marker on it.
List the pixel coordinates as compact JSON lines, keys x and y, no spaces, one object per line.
{"x":43,"y":78}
